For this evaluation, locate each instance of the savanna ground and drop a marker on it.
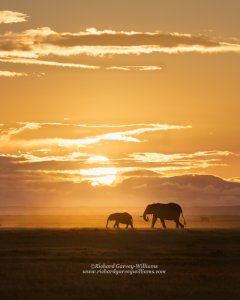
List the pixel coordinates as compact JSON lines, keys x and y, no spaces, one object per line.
{"x":47,"y":264}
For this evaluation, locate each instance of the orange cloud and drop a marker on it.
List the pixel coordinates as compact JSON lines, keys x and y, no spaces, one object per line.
{"x":161,"y":162}
{"x":28,"y":61}
{"x":29,"y":149}
{"x":127,"y":135}
{"x":7,"y":17}
{"x":135,"y":68}
{"x":33,"y":44}
{"x":11,"y":74}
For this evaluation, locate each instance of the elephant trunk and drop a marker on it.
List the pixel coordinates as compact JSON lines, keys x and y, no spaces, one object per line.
{"x":107,"y":221}
{"x":145,"y":217}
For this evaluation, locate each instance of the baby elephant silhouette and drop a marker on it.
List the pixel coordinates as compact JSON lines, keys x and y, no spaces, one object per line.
{"x":123,"y":218}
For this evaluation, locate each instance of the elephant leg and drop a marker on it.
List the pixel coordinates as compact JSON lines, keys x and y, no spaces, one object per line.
{"x":127,"y":226}
{"x":131,"y":224}
{"x":116,"y":225}
{"x":154,"y":219}
{"x":177,"y":223}
{"x":182,"y":226}
{"x":163,"y":223}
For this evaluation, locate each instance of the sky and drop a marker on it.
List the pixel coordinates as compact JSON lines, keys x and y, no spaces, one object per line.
{"x":119,"y":103}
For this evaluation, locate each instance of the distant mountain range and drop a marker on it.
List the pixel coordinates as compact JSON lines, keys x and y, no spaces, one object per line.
{"x":188,"y":190}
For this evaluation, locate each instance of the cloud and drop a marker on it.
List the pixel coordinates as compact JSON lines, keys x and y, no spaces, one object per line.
{"x":11,"y":74}
{"x":56,"y":152}
{"x":28,"y":61}
{"x":180,"y":157}
{"x":235,"y":179}
{"x":135,"y":68}
{"x":127,"y":135}
{"x":42,"y":42}
{"x":7,"y":17}
{"x":8,"y":133}
{"x":39,"y":46}
{"x":103,"y":126}
{"x":125,"y":42}
{"x":64,"y":188}
{"x":31,"y":158}
{"x":140,"y":173}
{"x":180,"y":161}
{"x":39,"y":162}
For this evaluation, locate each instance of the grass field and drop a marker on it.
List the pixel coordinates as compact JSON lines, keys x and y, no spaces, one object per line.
{"x":48,"y":264}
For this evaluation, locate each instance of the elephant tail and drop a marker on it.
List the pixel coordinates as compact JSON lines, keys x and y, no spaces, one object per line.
{"x":185,"y":223}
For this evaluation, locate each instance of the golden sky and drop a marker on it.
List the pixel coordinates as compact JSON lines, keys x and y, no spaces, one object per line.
{"x":118,"y":102}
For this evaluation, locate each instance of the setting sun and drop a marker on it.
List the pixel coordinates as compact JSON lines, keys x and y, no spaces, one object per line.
{"x":99,"y":175}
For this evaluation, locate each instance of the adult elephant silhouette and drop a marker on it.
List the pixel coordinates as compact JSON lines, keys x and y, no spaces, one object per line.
{"x":123,"y":218}
{"x":170,"y":211}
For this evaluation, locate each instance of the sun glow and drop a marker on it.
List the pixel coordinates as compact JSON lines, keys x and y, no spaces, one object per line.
{"x":99,"y":175}
{"x":98,"y":159}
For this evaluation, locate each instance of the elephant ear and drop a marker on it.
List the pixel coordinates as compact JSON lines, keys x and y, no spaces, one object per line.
{"x":152,"y":209}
